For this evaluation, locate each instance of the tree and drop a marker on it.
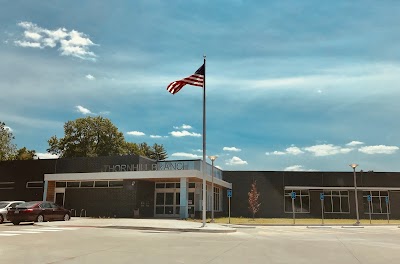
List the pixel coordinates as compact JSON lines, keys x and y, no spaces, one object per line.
{"x":25,"y":154}
{"x":88,"y":137}
{"x":131,"y":148}
{"x":98,"y":136}
{"x":7,"y":148}
{"x":254,"y":205}
{"x":158,"y":152}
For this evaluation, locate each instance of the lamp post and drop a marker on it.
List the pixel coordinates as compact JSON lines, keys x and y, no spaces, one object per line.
{"x":354,"y":166}
{"x":212,"y":158}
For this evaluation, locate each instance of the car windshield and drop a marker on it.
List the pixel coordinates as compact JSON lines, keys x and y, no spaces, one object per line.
{"x":3,"y":204}
{"x":26,"y":205}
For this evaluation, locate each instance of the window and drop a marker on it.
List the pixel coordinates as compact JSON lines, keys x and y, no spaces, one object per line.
{"x":336,"y":201}
{"x":87,"y":184}
{"x":101,"y":184}
{"x":73,"y":184}
{"x":217,"y":195}
{"x":61,"y":184}
{"x":45,"y":205}
{"x":116,"y":184}
{"x":301,"y":202}
{"x":6,"y":185}
{"x":170,"y":185}
{"x":160,"y":185}
{"x":192,"y":185}
{"x":377,"y":205}
{"x":34,"y":184}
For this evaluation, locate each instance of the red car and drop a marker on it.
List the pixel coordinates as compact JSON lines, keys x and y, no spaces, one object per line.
{"x":37,"y":211}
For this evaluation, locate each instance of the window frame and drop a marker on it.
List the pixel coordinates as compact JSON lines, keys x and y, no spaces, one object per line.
{"x":10,"y":185}
{"x":381,"y":200}
{"x":299,"y":193}
{"x":34,"y":182}
{"x":340,"y":195}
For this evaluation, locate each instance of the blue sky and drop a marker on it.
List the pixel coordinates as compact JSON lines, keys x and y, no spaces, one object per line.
{"x":291,"y":85}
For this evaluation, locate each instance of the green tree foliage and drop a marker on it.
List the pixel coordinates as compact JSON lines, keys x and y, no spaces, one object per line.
{"x":254,"y":205}
{"x":98,"y":136}
{"x":25,"y":154}
{"x":158,"y":152}
{"x":88,"y":137}
{"x":7,"y":148}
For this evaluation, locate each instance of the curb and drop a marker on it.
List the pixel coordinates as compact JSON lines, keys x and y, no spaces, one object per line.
{"x":198,"y":230}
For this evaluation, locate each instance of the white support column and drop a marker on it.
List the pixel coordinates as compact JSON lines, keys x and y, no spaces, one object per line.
{"x":184,"y":199}
{"x":46,"y":185}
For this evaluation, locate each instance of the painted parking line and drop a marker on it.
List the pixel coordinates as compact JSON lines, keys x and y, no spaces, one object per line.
{"x":6,"y":234}
{"x":21,"y":232}
{"x":61,"y":228}
{"x":43,"y":230}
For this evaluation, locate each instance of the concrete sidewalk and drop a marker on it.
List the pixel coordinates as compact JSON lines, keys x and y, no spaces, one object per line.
{"x":142,"y":224}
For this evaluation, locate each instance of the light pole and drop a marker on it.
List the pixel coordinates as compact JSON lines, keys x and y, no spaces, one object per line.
{"x":212,"y":158}
{"x":354,"y":166}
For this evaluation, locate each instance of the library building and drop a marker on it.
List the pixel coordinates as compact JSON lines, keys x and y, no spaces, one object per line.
{"x":134,"y":186}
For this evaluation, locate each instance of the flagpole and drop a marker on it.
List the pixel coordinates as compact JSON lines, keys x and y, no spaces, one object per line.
{"x":204,"y":147}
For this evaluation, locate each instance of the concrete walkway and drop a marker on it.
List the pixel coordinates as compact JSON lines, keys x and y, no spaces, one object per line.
{"x":142,"y":224}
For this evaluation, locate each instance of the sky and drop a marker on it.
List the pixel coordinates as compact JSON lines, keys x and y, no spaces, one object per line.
{"x":290,"y":85}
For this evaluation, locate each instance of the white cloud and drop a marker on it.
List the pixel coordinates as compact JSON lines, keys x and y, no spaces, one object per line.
{"x":28,"y":44}
{"x":294,"y":151}
{"x":327,"y":150}
{"x":184,"y":133}
{"x":198,"y":150}
{"x":231,"y":149}
{"x":32,"y":35}
{"x":379,"y":149}
{"x":183,"y":127}
{"x":297,"y":168}
{"x":135,"y":133}
{"x":355,"y":143}
{"x":8,"y":128}
{"x":70,"y":43}
{"x":105,"y":112}
{"x":278,"y":153}
{"x":158,"y":136}
{"x":185,"y":155}
{"x":291,"y":151}
{"x":46,"y":156}
{"x":83,"y":110}
{"x":294,"y":168}
{"x":90,"y":77}
{"x":235,"y":161}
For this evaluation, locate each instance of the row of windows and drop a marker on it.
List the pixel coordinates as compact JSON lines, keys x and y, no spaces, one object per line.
{"x":10,"y":185}
{"x":90,"y":184}
{"x":172,"y":185}
{"x":337,"y":202}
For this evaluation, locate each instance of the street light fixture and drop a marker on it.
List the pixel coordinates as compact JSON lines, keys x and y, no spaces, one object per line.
{"x":212,"y":158}
{"x":354,"y":166}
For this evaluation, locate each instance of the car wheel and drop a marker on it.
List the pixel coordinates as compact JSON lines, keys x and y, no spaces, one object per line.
{"x":40,"y":218}
{"x":15,"y":223}
{"x":1,"y":219}
{"x":66,"y":217}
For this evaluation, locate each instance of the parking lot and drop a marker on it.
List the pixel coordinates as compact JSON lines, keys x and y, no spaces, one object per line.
{"x":28,"y":243}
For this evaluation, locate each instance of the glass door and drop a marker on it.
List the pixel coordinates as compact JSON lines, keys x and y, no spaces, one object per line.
{"x":59,"y":197}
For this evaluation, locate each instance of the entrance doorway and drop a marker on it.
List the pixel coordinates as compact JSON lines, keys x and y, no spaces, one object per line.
{"x":168,"y":198}
{"x":59,"y":197}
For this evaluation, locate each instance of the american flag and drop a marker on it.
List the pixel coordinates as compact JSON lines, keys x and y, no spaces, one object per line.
{"x":196,"y":79}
